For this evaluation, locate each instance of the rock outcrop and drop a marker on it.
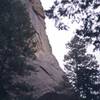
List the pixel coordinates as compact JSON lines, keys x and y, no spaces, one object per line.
{"x":49,"y":78}
{"x":46,"y":77}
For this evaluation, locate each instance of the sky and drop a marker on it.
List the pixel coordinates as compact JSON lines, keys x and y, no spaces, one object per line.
{"x":58,"y":39}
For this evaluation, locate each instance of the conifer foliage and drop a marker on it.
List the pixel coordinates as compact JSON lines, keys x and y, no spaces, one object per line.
{"x":84,"y":12}
{"x":82,"y":70}
{"x":15,"y":32}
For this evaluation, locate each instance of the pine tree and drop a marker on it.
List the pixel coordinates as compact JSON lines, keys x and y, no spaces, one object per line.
{"x":15,"y":33}
{"x":82,"y":70}
{"x":85,"y":12}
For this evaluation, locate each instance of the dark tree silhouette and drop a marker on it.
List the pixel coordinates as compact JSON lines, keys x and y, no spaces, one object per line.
{"x":82,"y":70}
{"x":15,"y":33}
{"x":85,"y":12}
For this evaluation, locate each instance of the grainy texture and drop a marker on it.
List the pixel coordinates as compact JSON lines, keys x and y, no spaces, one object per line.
{"x":43,"y":74}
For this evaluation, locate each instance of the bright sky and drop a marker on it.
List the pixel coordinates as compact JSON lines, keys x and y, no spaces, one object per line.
{"x":57,"y":38}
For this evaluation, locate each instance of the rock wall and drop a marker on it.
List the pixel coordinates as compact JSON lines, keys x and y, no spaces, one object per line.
{"x":46,"y":77}
{"x":49,"y":77}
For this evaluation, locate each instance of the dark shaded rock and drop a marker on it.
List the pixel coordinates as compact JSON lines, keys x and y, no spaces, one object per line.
{"x":55,"y":96}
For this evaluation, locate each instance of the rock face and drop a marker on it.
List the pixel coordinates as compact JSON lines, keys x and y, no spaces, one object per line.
{"x":47,"y":77}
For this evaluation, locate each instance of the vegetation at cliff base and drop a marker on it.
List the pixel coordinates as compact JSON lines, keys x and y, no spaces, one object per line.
{"x":15,"y":34}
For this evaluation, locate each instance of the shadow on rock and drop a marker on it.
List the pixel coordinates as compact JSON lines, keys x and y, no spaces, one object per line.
{"x":55,"y":96}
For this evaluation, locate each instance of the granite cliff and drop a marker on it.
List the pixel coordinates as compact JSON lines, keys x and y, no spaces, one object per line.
{"x":29,"y":71}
